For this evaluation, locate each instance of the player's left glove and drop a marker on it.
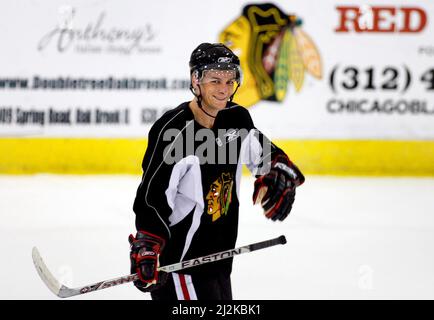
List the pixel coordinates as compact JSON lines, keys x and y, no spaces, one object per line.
{"x":276,"y":189}
{"x":144,"y":256}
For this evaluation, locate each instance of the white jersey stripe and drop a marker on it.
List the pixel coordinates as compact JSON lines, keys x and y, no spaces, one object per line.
{"x":184,"y":284}
{"x":177,"y":284}
{"x":190,"y":287}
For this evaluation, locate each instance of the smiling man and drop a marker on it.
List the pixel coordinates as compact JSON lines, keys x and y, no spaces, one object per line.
{"x":188,"y":208}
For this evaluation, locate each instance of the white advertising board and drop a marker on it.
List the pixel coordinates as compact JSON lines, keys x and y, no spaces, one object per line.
{"x":350,"y":70}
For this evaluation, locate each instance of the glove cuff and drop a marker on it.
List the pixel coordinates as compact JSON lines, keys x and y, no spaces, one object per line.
{"x":283,"y":164}
{"x":145,"y":238}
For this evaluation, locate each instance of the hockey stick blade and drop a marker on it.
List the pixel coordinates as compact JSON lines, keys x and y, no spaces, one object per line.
{"x":45,"y":274}
{"x":63,"y":291}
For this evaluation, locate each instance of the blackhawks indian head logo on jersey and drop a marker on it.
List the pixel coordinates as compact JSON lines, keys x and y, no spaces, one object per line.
{"x":273,"y":50}
{"x":219,"y":196}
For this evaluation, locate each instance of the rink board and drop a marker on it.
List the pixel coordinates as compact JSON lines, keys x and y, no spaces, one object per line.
{"x":328,"y":157}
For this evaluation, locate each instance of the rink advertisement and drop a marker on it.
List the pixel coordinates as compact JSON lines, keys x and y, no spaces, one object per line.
{"x":312,"y":72}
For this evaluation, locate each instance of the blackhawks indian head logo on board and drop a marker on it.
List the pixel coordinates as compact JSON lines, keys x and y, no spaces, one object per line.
{"x":274,"y":51}
{"x":219,"y":196}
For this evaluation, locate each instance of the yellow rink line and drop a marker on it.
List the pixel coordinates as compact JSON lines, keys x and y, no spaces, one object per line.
{"x":109,"y":156}
{"x":362,"y":157}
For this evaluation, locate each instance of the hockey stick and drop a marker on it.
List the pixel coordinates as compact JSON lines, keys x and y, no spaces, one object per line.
{"x":62,"y":291}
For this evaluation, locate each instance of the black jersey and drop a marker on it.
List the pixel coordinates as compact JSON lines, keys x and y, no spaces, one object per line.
{"x":191,"y":182}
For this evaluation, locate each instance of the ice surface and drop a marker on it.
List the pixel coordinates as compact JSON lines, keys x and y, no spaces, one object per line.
{"x":348,"y":238}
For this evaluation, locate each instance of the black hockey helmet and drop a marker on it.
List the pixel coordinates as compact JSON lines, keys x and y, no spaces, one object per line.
{"x":214,"y":56}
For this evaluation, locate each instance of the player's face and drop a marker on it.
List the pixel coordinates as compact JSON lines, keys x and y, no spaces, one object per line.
{"x":217,"y":86}
{"x":213,"y":199}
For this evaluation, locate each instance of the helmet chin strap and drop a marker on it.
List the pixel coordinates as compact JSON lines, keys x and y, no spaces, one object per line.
{"x":199,"y":99}
{"x":235,"y":91}
{"x":199,"y":102}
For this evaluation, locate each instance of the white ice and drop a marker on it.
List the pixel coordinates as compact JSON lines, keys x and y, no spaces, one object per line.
{"x":348,"y":238}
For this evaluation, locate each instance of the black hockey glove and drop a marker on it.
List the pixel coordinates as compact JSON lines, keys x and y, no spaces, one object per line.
{"x":276,"y":189}
{"x":144,"y":255}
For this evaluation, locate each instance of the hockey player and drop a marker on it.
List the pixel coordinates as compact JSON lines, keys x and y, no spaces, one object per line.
{"x":186,"y":205}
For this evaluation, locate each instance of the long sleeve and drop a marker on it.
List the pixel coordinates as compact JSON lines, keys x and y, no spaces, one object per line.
{"x":150,"y":205}
{"x":258,"y":152}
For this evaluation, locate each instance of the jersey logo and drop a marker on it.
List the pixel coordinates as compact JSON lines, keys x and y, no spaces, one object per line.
{"x":229,"y":136}
{"x":219,"y":196}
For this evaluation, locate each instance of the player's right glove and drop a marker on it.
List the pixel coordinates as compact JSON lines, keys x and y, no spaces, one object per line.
{"x":144,"y":256}
{"x":275,"y":191}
